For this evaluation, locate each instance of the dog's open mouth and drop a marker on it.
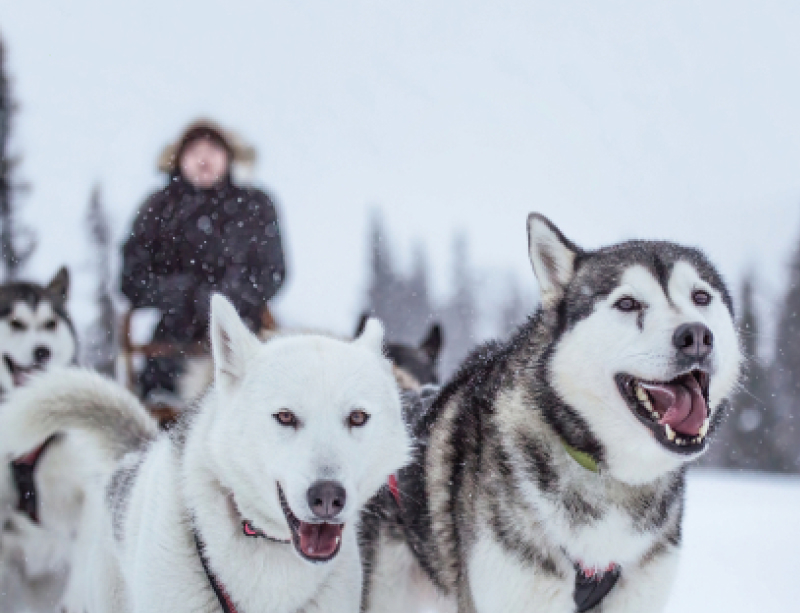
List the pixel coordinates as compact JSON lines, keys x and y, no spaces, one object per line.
{"x":316,"y":542}
{"x":19,"y":374}
{"x":675,"y":411}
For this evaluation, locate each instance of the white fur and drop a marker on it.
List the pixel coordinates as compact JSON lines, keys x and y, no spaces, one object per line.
{"x":236,"y":453}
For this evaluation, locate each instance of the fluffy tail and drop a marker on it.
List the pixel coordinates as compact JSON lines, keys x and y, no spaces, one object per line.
{"x":74,"y":399}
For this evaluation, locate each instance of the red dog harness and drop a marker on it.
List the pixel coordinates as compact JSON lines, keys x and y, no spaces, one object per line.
{"x":22,"y":471}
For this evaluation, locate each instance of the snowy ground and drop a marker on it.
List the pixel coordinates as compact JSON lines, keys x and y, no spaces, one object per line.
{"x":742,"y":535}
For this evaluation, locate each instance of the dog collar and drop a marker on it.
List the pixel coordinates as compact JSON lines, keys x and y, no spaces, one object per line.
{"x":581,"y":457}
{"x":22,"y":470}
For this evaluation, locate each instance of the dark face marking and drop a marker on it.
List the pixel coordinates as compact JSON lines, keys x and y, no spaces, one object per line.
{"x":598,"y":273}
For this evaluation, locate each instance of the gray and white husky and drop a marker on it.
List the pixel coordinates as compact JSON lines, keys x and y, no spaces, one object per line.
{"x":250,"y":505}
{"x":549,"y":473}
{"x":36,"y":333}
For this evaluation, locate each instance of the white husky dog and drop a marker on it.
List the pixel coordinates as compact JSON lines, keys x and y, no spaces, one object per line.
{"x":252,"y":505}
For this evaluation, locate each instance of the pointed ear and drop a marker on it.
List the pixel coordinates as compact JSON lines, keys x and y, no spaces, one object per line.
{"x":372,"y":337}
{"x":362,"y":322}
{"x":58,"y":287}
{"x":552,"y":257}
{"x":432,"y":344}
{"x":232,"y":344}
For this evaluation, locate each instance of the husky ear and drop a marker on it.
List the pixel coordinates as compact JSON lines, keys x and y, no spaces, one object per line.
{"x":371,"y":338}
{"x":231,"y":342}
{"x":432,"y":344}
{"x":58,"y":287}
{"x":552,"y":257}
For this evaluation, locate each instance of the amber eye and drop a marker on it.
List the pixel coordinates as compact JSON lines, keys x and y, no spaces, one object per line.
{"x":18,"y":326}
{"x":627,"y":304}
{"x":701,"y":297}
{"x":286,"y":418}
{"x":50,"y":324}
{"x":357,"y":418}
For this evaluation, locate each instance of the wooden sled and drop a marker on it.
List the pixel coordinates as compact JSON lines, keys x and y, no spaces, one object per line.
{"x":166,"y":415}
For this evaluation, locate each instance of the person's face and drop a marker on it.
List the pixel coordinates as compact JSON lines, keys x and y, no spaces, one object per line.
{"x":204,"y":162}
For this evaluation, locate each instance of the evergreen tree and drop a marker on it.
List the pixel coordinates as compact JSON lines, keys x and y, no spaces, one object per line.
{"x":786,"y":373}
{"x":747,"y":439}
{"x":514,"y":310}
{"x":382,"y":290}
{"x":459,"y":316}
{"x":401,"y":302}
{"x":100,"y":348}
{"x":16,"y":243}
{"x":417,"y":310}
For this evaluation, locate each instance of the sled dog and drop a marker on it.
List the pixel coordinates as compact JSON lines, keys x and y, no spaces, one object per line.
{"x":549,"y":472}
{"x":35,"y":329}
{"x":421,"y":363}
{"x":36,"y":333}
{"x":251,"y":504}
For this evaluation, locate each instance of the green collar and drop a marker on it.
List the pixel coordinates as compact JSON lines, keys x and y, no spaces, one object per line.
{"x":582,"y":458}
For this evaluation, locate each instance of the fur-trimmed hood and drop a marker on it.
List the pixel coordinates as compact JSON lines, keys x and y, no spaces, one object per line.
{"x":242,"y":153}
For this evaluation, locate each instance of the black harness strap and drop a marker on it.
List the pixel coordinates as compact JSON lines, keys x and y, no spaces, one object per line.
{"x":591,"y":589}
{"x":222,"y":596}
{"x":23,"y":470}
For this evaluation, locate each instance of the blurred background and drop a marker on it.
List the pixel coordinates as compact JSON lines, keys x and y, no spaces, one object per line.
{"x":404,"y":145}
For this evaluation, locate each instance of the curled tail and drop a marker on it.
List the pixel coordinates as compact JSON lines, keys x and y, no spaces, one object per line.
{"x":74,"y":399}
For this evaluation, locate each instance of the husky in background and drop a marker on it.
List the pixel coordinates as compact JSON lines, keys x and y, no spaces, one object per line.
{"x":36,"y":333}
{"x":420,"y":362}
{"x":251,"y":504}
{"x":35,"y":329}
{"x":549,"y":473}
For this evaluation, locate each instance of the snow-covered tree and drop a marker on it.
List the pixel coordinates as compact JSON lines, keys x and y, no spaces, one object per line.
{"x":16,"y":242}
{"x":786,"y":373}
{"x":514,"y":309}
{"x":402,"y":302}
{"x":459,"y":316}
{"x":747,"y":439}
{"x":100,"y":345}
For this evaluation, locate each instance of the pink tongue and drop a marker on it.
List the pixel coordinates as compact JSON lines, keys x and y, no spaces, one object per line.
{"x":680,"y":405}
{"x":320,"y":540}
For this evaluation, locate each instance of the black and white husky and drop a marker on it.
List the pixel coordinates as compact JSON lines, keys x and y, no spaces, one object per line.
{"x":36,"y":333}
{"x":35,"y":329}
{"x":252,"y":504}
{"x":549,"y":473}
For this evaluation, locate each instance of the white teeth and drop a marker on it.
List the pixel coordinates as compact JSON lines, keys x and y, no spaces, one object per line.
{"x":642,"y":397}
{"x":704,"y":427}
{"x":338,"y":540}
{"x":670,"y":433}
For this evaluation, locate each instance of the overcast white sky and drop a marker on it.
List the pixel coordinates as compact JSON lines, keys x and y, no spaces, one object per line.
{"x":663,"y":119}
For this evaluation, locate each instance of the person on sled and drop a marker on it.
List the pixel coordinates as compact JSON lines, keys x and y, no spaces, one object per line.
{"x":201,"y":233}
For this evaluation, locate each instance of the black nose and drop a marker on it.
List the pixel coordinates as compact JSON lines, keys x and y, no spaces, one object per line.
{"x":693,"y":340}
{"x":326,"y":499}
{"x":41,"y":355}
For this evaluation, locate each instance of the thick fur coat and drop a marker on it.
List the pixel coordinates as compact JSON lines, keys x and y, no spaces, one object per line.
{"x":242,"y":482}
{"x":558,"y":457}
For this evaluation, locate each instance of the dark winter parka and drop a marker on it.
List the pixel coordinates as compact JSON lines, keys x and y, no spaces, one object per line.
{"x":188,"y":242}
